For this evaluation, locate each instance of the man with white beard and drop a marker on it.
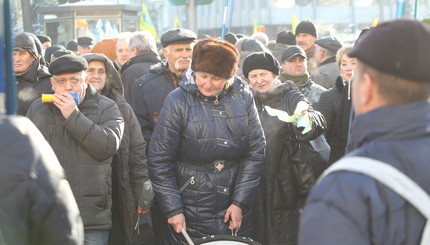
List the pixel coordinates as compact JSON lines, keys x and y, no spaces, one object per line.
{"x":150,"y":91}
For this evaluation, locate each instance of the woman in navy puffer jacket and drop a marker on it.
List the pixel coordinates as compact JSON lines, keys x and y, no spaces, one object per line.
{"x":207,"y":149}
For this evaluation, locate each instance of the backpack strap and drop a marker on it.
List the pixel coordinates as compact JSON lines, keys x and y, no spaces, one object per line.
{"x":391,"y":178}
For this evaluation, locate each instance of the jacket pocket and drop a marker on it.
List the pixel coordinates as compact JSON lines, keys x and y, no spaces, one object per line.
{"x":190,"y":181}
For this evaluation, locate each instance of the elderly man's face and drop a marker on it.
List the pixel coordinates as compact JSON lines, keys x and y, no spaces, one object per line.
{"x":96,"y":72}
{"x":84,"y":50}
{"x":122,"y":52}
{"x":179,"y":56}
{"x":305,"y":40}
{"x":71,"y":83}
{"x":22,"y":61}
{"x":295,"y":67}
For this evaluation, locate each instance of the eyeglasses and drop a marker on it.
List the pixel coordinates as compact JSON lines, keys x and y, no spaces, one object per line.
{"x":74,"y":81}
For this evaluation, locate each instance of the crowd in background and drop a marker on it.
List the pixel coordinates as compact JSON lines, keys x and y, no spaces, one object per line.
{"x":199,"y":137}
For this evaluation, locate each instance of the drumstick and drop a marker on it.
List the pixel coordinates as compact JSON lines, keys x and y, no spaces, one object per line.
{"x":187,"y":237}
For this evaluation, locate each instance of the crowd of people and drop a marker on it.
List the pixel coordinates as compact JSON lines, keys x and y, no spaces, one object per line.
{"x":217,"y":136}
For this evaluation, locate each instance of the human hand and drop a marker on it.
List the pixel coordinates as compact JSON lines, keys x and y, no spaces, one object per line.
{"x":177,"y":222}
{"x":301,"y":108}
{"x":65,"y":102}
{"x":142,"y":211}
{"x":234,"y":214}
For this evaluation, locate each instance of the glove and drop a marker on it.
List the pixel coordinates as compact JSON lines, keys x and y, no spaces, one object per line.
{"x":301,"y":108}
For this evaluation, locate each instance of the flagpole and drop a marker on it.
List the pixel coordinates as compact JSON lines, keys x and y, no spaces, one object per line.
{"x":231,"y":15}
{"x":224,"y":20}
{"x":416,"y":8}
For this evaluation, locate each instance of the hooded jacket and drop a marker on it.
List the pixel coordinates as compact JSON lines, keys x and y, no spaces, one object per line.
{"x":192,"y":132}
{"x":31,"y":85}
{"x":276,"y":210}
{"x":357,"y":208}
{"x":36,"y":203}
{"x":129,"y":167}
{"x":85,"y":143}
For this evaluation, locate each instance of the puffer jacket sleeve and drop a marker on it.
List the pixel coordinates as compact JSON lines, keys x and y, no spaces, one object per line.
{"x":252,"y":160}
{"x":317,"y":121}
{"x":137,"y":161}
{"x":164,"y":145}
{"x":101,"y":140}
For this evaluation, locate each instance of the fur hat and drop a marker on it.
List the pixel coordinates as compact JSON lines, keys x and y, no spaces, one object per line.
{"x":215,"y":56}
{"x":107,"y":47}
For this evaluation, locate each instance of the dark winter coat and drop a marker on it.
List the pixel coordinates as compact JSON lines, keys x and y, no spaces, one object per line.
{"x":85,"y":143}
{"x":326,"y":73}
{"x":129,"y":167}
{"x":307,"y":87}
{"x":192,"y":132}
{"x":149,"y":93}
{"x":36,"y":203}
{"x":277,"y":210}
{"x":335,"y":105}
{"x":31,"y":85}
{"x":351,"y":208}
{"x":134,"y":68}
{"x":340,"y":130}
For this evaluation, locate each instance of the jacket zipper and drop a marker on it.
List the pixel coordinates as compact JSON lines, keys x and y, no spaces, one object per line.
{"x":189,"y":181}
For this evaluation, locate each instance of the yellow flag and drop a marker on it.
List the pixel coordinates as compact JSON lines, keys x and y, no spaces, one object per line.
{"x":375,"y":21}
{"x":294,"y":23}
{"x":146,"y":22}
{"x":176,"y":24}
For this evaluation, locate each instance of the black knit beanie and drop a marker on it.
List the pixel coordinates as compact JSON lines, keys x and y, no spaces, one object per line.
{"x":306,"y":26}
{"x":260,"y":60}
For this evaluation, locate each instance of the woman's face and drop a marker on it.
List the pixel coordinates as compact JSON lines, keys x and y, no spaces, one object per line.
{"x":209,"y":84}
{"x":346,"y":67}
{"x":261,"y":80}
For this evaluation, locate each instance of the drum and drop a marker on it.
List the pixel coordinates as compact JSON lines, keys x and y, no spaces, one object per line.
{"x":225,"y":240}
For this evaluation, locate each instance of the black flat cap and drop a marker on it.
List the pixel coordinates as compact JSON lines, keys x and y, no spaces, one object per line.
{"x":329,"y":43}
{"x":286,"y":37}
{"x":72,"y":46}
{"x":85,"y":41}
{"x":177,"y":35}
{"x":68,"y":63}
{"x":399,"y":47}
{"x":260,"y":60}
{"x":25,"y":43}
{"x":44,"y":38}
{"x":291,"y":52}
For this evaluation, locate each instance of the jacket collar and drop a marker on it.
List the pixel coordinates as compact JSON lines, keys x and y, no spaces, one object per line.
{"x":391,"y":122}
{"x":328,"y":61}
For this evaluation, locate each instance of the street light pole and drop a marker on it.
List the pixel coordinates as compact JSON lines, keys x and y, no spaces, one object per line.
{"x":192,"y":15}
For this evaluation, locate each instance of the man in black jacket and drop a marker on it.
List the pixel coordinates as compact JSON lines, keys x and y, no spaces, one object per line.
{"x":143,"y":54}
{"x":150,"y":91}
{"x":36,"y":203}
{"x":31,"y":76}
{"x":85,"y":132}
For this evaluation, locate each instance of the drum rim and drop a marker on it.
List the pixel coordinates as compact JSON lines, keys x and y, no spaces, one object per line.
{"x":214,"y":238}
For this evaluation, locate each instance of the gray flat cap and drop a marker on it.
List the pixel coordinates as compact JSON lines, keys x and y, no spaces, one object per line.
{"x":177,"y":35}
{"x":329,"y":43}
